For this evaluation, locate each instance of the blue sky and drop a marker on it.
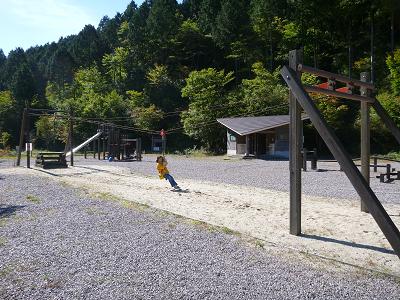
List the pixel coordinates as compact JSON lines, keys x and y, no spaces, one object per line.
{"x":26,"y":23}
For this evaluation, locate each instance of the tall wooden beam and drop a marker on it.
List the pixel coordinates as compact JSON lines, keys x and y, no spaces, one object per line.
{"x":28,"y":140}
{"x":21,"y":136}
{"x":295,"y":143}
{"x":376,"y":209}
{"x":365,"y":136}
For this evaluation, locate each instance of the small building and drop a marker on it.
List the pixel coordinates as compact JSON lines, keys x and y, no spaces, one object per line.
{"x":265,"y":136}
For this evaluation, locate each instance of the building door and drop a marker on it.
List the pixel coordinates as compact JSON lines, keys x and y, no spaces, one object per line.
{"x":261,"y":144}
{"x":270,"y":143}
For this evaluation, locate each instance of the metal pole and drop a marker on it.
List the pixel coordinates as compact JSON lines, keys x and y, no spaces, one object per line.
{"x":295,"y":144}
{"x":164,"y":144}
{"x":365,"y":136}
{"x":21,"y":136}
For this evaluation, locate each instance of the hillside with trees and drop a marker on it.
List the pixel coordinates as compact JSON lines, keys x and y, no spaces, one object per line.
{"x":179,"y":66}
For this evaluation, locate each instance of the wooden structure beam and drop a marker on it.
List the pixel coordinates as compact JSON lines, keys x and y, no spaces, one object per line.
{"x":373,"y":204}
{"x":336,"y":77}
{"x":295,"y":145}
{"x":314,"y":89}
{"x":365,"y":136}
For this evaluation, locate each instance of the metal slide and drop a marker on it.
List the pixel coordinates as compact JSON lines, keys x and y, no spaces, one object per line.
{"x":84,"y":143}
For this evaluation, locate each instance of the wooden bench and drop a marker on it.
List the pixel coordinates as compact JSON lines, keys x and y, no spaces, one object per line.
{"x":51,"y":160}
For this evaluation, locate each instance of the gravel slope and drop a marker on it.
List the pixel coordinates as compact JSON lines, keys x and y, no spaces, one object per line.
{"x":329,"y":182}
{"x":56,"y":243}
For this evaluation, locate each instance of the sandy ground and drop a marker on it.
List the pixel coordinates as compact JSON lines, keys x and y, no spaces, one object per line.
{"x":333,"y":229}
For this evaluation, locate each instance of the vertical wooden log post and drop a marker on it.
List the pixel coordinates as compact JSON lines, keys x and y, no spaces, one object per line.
{"x":98,"y":146}
{"x":365,"y":136}
{"x":375,"y":164}
{"x":139,"y":149}
{"x":21,"y":136}
{"x":71,"y":140}
{"x":94,"y":148}
{"x":295,"y":142}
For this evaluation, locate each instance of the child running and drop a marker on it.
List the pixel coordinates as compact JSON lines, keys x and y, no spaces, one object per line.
{"x":164,"y":173}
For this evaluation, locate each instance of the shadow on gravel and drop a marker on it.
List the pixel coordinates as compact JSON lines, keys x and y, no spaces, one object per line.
{"x":355,"y":245}
{"x":7,"y":211}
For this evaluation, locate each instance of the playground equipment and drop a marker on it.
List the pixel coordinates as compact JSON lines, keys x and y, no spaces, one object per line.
{"x":96,"y":136}
{"x":118,"y":146}
{"x":299,"y":99}
{"x":51,"y":160}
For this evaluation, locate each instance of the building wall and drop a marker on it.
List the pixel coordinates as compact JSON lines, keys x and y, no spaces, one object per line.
{"x":236,"y":144}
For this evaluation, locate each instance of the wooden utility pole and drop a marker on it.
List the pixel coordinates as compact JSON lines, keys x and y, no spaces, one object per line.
{"x":28,"y":140}
{"x":365,"y":136}
{"x":295,"y":143}
{"x":21,"y":136}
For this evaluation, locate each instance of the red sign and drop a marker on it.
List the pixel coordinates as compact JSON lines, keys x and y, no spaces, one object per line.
{"x":162,"y":133}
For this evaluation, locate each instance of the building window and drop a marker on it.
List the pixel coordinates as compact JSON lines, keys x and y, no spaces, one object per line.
{"x":232,"y":138}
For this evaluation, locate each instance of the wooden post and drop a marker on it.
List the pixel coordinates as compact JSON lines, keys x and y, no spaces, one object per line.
{"x":375,"y":164}
{"x":71,"y":140}
{"x":94,"y":148}
{"x":305,"y":159}
{"x":98,"y":147}
{"x":139,"y":149}
{"x":388,"y":171}
{"x":103,"y":145}
{"x":365,"y":136}
{"x":85,"y":152}
{"x":314,"y":160}
{"x":28,"y":140}
{"x":295,"y":143}
{"x":21,"y":136}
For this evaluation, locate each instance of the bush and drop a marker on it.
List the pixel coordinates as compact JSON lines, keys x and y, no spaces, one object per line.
{"x":5,"y":140}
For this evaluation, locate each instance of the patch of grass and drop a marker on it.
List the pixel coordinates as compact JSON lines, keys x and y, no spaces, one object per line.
{"x":3,"y":241}
{"x":259,"y":244}
{"x":94,"y":211}
{"x":6,"y":270}
{"x":33,"y":199}
{"x":134,"y":205}
{"x":3,"y":222}
{"x":227,"y":230}
{"x":107,"y":196}
{"x":123,"y":202}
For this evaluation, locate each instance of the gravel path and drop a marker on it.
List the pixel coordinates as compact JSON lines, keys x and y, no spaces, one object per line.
{"x":57,"y":243}
{"x":329,"y":182}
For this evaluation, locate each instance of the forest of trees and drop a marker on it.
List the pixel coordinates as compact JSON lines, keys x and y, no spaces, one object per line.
{"x":179,"y":66}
